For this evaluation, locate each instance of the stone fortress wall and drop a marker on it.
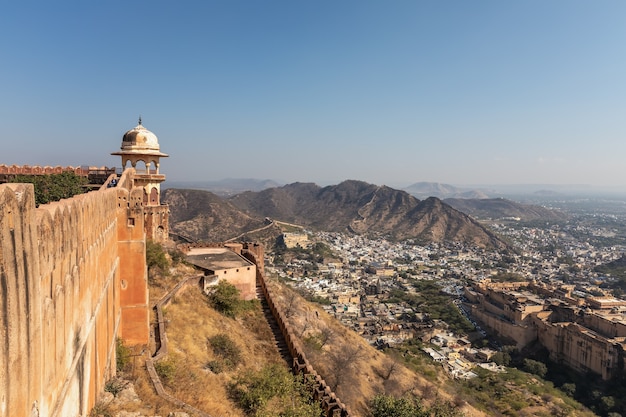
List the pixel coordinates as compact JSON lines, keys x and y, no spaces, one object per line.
{"x":94,"y":174}
{"x":72,"y":280}
{"x":330,"y":403}
{"x":575,"y":334}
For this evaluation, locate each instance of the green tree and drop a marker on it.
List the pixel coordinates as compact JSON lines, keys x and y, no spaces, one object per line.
{"x":274,"y":391}
{"x":535,"y":367}
{"x":155,"y":258}
{"x":607,"y":403}
{"x":569,"y":388}
{"x":387,"y":406}
{"x":54,"y":187}
{"x":501,"y":358}
{"x":225,"y":298}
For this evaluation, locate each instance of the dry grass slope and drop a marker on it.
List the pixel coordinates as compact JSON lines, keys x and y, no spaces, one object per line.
{"x":356,"y":371}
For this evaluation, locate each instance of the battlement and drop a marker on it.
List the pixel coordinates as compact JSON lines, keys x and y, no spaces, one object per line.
{"x":96,"y":175}
{"x":74,"y":280}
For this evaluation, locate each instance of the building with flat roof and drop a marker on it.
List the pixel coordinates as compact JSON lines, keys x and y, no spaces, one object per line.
{"x":221,"y":263}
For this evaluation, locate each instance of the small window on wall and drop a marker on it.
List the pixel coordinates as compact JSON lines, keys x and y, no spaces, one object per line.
{"x":131,"y":221}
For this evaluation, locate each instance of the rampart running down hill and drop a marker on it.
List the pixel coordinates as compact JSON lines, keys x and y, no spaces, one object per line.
{"x":72,"y":280}
{"x":331,"y":405}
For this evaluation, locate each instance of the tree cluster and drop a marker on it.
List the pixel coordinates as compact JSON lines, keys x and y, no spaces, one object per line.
{"x":54,"y":187}
{"x":274,"y":391}
{"x":410,"y":406}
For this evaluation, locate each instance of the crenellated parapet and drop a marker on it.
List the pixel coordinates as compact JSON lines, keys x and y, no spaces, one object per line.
{"x":73,"y":279}
{"x":59,"y":308}
{"x":94,"y":174}
{"x":331,"y":405}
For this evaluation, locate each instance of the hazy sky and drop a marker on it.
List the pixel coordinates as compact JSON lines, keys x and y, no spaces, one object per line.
{"x":389,"y":92}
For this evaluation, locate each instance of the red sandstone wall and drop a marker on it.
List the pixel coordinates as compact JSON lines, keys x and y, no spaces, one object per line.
{"x":131,"y":244}
{"x":59,"y":301}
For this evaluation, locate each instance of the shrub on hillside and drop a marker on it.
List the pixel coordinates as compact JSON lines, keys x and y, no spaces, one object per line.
{"x":226,"y":299}
{"x":535,"y":367}
{"x":166,"y":369}
{"x":226,"y":349}
{"x":156,"y":260}
{"x":122,"y":355}
{"x":410,"y":406}
{"x":274,"y":391}
{"x":388,"y":406}
{"x":177,"y":256}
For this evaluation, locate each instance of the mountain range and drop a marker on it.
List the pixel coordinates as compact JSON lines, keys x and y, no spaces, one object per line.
{"x":351,"y":207}
{"x":202,"y":215}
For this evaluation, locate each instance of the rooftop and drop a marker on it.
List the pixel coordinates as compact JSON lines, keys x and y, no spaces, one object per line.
{"x":216,"y":258}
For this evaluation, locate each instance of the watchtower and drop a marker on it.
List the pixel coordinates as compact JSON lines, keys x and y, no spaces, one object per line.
{"x":141,"y":148}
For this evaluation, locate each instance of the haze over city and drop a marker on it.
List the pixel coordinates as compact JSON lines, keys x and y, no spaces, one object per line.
{"x":482,"y":92}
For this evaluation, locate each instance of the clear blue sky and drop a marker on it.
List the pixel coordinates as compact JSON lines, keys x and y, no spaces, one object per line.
{"x":388,"y":92}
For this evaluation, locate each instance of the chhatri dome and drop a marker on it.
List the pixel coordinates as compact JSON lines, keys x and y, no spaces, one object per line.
{"x":140,"y":140}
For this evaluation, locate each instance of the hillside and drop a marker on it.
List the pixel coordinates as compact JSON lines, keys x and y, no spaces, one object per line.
{"x":362,"y":208}
{"x":356,"y":370}
{"x":499,"y":208}
{"x":202,"y":215}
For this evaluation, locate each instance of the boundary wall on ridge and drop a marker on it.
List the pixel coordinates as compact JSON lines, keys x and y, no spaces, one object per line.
{"x":331,"y":405}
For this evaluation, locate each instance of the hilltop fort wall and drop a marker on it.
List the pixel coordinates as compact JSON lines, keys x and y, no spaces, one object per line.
{"x":72,"y":280}
{"x":331,"y":405}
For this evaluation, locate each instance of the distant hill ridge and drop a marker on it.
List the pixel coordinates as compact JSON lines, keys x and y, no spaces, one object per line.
{"x":362,"y":208}
{"x":500,"y":208}
{"x":227,"y":186}
{"x":435,"y":189}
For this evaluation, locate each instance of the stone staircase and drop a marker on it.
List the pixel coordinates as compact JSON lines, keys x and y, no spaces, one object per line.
{"x":279,"y":340}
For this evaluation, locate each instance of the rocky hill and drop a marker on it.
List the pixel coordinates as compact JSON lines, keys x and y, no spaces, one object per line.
{"x":362,"y":208}
{"x":500,"y":208}
{"x":202,"y":215}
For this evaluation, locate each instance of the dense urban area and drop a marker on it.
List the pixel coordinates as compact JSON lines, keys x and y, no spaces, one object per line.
{"x":553,"y":300}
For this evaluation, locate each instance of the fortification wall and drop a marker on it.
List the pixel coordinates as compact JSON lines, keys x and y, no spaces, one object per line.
{"x":131,"y":247}
{"x":521,"y":334}
{"x":96,"y":175}
{"x":331,"y":405}
{"x":605,"y":324}
{"x":581,"y":348}
{"x":59,"y":301}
